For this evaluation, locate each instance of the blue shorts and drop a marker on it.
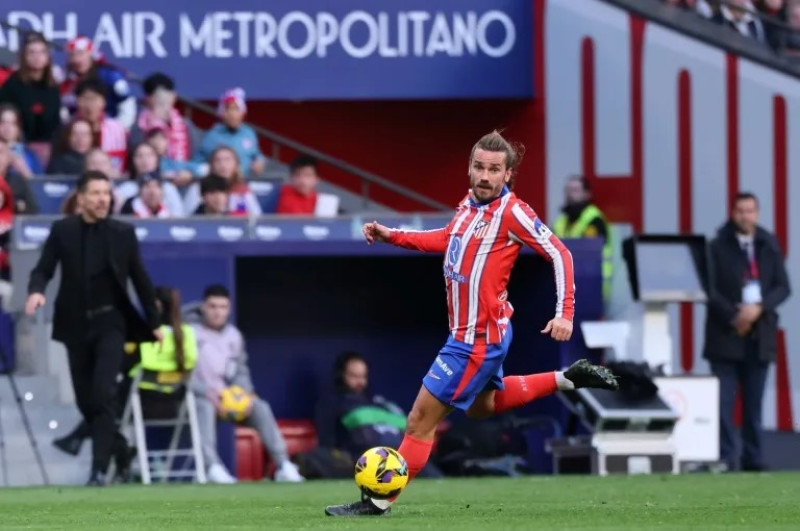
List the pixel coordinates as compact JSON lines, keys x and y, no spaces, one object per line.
{"x":461,"y":371}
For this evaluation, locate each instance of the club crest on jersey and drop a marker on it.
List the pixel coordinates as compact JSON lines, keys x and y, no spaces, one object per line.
{"x":541,"y":229}
{"x":481,"y":228}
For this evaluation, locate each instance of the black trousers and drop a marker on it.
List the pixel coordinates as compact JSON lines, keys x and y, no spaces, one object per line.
{"x":749,"y":376}
{"x":94,"y":365}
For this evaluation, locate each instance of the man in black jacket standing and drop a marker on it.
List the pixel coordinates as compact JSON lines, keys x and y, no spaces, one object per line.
{"x":748,"y":283}
{"x":93,"y":313}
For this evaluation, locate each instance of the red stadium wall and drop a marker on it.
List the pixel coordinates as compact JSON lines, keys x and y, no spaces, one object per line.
{"x":421,"y":145}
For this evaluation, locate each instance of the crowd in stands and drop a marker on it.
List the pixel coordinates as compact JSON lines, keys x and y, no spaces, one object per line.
{"x":57,"y":122}
{"x":774,"y":23}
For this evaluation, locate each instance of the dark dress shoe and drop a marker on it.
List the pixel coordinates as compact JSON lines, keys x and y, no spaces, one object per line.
{"x":96,"y":479}
{"x":123,"y":460}
{"x":69,"y":444}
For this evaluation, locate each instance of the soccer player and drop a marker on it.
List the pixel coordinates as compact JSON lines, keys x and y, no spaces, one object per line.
{"x":480,"y":246}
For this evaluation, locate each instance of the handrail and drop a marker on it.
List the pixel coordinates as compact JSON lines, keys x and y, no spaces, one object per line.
{"x":364,"y":175}
{"x":367,"y":178}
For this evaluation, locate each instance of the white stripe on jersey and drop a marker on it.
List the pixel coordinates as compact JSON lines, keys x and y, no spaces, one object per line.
{"x":478,"y":267}
{"x":454,"y":290}
{"x":558,"y":264}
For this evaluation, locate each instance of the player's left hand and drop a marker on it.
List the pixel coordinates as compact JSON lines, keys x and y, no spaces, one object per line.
{"x":559,"y":329}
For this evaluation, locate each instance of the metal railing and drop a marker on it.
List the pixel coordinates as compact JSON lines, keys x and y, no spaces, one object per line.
{"x":368,"y":179}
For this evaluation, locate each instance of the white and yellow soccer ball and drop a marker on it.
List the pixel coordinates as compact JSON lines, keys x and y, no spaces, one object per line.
{"x":235,"y":404}
{"x":381,"y":473}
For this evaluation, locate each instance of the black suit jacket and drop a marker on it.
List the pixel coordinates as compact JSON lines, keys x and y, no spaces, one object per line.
{"x":728,"y":266}
{"x":63,"y":246}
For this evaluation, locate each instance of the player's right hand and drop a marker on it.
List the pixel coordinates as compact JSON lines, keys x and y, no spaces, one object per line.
{"x":375,"y":232}
{"x":34,"y":302}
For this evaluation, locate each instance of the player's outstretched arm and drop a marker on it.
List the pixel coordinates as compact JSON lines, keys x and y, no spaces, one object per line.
{"x":432,"y":241}
{"x":526,"y":227}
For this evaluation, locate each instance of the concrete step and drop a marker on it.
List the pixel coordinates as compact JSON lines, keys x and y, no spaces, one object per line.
{"x":32,"y":389}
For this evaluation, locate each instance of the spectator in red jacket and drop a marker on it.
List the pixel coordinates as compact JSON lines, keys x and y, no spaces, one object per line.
{"x":299,"y":196}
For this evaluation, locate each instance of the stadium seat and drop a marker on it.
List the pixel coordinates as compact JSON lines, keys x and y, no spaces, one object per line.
{"x":50,"y":192}
{"x":267,"y":192}
{"x":300,"y":436}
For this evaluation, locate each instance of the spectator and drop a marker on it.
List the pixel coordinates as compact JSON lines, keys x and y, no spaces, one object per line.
{"x":241,"y":200}
{"x":233,"y":133}
{"x":83,"y":64}
{"x":740,"y":15}
{"x":150,"y":201}
{"x":144,"y":160}
{"x":299,"y":196}
{"x":24,"y":201}
{"x":222,"y":362}
{"x":354,"y":419}
{"x":109,"y":134}
{"x":33,"y":91}
{"x":160,"y":113}
{"x":580,"y":218}
{"x":702,"y":7}
{"x":98,"y":160}
{"x":76,"y":141}
{"x":6,"y":223}
{"x":214,"y":190}
{"x":26,"y":163}
{"x":179,"y":172}
{"x":70,"y":206}
{"x":749,"y":282}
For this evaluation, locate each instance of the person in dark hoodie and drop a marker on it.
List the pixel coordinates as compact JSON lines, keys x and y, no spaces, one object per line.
{"x":748,"y":283}
{"x":354,"y":419}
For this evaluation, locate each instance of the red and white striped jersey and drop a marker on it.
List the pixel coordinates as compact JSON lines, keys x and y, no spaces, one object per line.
{"x":114,"y":141}
{"x":481,"y":244}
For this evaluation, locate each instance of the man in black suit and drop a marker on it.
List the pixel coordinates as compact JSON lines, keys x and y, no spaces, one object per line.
{"x":748,"y":283}
{"x":93,"y":314}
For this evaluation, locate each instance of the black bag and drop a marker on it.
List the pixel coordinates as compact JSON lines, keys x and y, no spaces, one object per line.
{"x":464,"y":447}
{"x":325,"y":463}
{"x":635,"y":380}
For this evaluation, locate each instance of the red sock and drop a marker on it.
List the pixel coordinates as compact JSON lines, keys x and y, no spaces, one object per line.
{"x":519,"y":390}
{"x":416,"y":453}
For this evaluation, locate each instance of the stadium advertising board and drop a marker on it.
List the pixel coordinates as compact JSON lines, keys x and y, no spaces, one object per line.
{"x":285,"y":50}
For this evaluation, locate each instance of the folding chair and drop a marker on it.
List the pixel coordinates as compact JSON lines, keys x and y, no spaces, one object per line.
{"x":160,"y":398}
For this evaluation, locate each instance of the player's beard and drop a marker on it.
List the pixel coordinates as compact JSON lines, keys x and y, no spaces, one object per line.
{"x":482,"y":194}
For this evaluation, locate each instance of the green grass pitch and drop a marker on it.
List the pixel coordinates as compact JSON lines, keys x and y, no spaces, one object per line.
{"x":746,"y":501}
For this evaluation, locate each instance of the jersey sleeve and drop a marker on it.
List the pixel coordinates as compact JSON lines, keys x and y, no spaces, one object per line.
{"x":429,"y":241}
{"x":526,"y":227}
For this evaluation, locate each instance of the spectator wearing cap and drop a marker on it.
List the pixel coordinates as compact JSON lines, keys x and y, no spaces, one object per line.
{"x":214,"y":190}
{"x":33,"y":90}
{"x":144,"y":161}
{"x":109,"y":135}
{"x":149,"y":203}
{"x":159,"y":112}
{"x":76,"y":142}
{"x":233,"y":133}
{"x":83,"y":62}
{"x":179,"y":172}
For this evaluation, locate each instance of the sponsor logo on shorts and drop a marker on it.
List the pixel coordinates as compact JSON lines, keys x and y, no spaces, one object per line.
{"x":433,"y":375}
{"x":442,"y":365}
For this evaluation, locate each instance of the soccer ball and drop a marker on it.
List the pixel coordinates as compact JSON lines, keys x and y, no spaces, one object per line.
{"x":235,"y":403}
{"x":381,"y":473}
